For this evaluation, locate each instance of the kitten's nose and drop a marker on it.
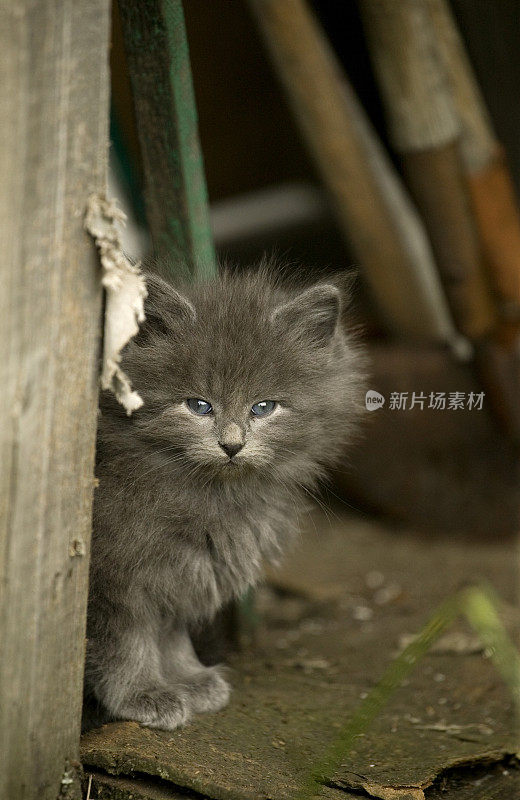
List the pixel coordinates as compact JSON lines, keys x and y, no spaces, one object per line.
{"x":231,"y":449}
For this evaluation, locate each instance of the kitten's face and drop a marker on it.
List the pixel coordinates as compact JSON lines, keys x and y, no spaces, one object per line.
{"x":227,"y":435}
{"x":238,"y":378}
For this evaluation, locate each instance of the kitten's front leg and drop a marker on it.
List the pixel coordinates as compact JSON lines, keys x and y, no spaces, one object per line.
{"x":123,"y":670}
{"x":205,"y":687}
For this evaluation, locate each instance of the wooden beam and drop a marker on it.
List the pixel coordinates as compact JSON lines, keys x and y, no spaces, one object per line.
{"x":54,"y":131}
{"x":166,"y":118}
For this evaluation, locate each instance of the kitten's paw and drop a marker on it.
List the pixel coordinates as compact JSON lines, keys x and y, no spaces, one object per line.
{"x":208,"y":690}
{"x":157,"y":708}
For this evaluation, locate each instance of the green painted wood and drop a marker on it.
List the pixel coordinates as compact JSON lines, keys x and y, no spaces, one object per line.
{"x":175,"y":188}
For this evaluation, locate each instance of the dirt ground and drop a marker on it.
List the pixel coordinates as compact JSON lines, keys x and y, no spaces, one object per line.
{"x":330,"y":621}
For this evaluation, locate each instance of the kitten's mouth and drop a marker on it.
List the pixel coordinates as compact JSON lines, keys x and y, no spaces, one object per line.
{"x":232,"y":468}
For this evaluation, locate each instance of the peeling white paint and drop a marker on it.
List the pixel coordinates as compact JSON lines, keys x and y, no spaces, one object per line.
{"x":125,"y":294}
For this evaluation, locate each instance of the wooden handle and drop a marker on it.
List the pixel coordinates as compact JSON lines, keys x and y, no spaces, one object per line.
{"x":371,"y":205}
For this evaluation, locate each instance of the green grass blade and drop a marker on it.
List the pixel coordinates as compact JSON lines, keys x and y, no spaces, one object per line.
{"x":400,"y":668}
{"x":480,"y":607}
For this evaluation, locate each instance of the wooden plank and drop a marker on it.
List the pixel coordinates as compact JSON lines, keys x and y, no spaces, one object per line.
{"x":110,"y":787}
{"x":54,"y":133}
{"x":166,"y":118}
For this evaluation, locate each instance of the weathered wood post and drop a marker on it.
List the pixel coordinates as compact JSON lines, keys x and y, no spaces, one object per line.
{"x":54,"y":133}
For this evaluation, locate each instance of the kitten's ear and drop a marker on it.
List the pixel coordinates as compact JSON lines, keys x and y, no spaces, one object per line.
{"x":164,"y":307}
{"x":313,"y":314}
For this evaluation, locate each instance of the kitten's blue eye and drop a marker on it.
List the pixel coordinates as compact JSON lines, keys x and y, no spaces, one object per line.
{"x":200,"y":407}
{"x":263,"y":408}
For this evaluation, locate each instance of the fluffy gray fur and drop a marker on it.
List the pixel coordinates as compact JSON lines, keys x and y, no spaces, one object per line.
{"x":180,"y":528}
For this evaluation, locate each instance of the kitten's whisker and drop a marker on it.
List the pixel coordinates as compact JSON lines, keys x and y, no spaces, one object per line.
{"x":179,"y":457}
{"x":326,"y":486}
{"x":343,"y":501}
{"x":308,"y":491}
{"x":139,"y":475}
{"x":318,"y":501}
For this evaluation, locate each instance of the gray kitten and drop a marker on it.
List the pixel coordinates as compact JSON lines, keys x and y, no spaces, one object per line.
{"x":250,"y":390}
